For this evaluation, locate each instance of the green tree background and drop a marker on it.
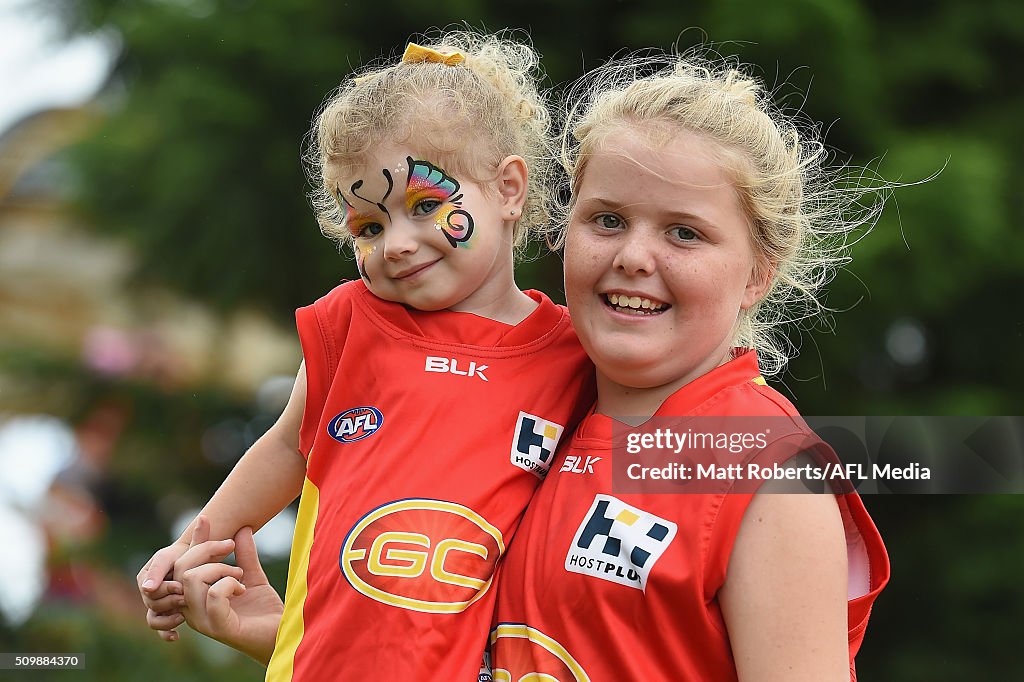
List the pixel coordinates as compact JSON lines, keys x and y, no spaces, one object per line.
{"x":197,"y":166}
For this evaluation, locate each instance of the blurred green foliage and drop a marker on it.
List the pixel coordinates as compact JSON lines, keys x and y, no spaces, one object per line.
{"x":197,"y":164}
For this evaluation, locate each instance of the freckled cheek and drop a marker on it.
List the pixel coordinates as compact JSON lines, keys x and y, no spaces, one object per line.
{"x":697,"y":273}
{"x":585,"y":260}
{"x":570,"y":273}
{"x":732,"y":275}
{"x":575,"y":273}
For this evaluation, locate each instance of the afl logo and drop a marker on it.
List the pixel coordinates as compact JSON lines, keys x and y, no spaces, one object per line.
{"x":424,"y":555}
{"x":519,"y":652}
{"x":355,"y":424}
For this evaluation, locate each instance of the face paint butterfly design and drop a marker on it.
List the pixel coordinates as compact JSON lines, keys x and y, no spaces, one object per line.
{"x":380,"y":204}
{"x":346,"y":206}
{"x":361,"y":250}
{"x":427,"y":181}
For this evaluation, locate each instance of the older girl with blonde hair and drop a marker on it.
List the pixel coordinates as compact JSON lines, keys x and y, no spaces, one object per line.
{"x":699,"y":218}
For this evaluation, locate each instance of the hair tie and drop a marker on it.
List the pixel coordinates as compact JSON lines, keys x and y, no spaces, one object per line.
{"x":417,"y":53}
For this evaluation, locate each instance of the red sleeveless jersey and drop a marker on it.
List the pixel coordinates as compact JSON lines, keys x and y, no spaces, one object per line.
{"x":602,"y":586}
{"x":426,"y":434}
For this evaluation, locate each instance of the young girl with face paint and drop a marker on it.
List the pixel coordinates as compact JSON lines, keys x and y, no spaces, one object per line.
{"x":697,"y":212}
{"x":432,"y":392}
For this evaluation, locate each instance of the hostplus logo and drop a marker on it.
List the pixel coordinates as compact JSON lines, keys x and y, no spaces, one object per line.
{"x":534,"y":443}
{"x":619,"y":543}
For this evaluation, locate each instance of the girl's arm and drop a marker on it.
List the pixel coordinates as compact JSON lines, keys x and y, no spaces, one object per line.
{"x":263,"y":482}
{"x":784,"y":597}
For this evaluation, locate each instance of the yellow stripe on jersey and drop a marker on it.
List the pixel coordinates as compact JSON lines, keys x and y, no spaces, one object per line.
{"x":760,"y":381}
{"x":289,"y":634}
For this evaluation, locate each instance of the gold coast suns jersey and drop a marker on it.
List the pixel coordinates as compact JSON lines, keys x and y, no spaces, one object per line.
{"x":606,"y":585}
{"x":426,"y":434}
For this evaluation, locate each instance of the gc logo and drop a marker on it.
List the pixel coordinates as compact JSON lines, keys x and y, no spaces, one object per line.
{"x":520,"y":653}
{"x":424,"y":555}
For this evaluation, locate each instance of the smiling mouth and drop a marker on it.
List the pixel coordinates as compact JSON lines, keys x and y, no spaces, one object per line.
{"x":634,"y":305}
{"x":412,"y":272}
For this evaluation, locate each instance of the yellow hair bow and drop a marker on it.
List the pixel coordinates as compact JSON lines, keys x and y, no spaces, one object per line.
{"x":417,"y":53}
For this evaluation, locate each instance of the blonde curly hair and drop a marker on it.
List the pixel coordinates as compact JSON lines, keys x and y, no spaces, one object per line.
{"x":804,"y":214}
{"x":472,"y":115}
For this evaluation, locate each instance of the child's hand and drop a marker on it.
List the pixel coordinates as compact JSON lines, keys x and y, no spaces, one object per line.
{"x":162,"y":596}
{"x":165,"y":598}
{"x":244,"y":616}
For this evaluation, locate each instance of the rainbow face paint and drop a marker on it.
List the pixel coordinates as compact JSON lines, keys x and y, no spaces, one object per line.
{"x":363,"y":251}
{"x":354,"y":228}
{"x":427,"y":181}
